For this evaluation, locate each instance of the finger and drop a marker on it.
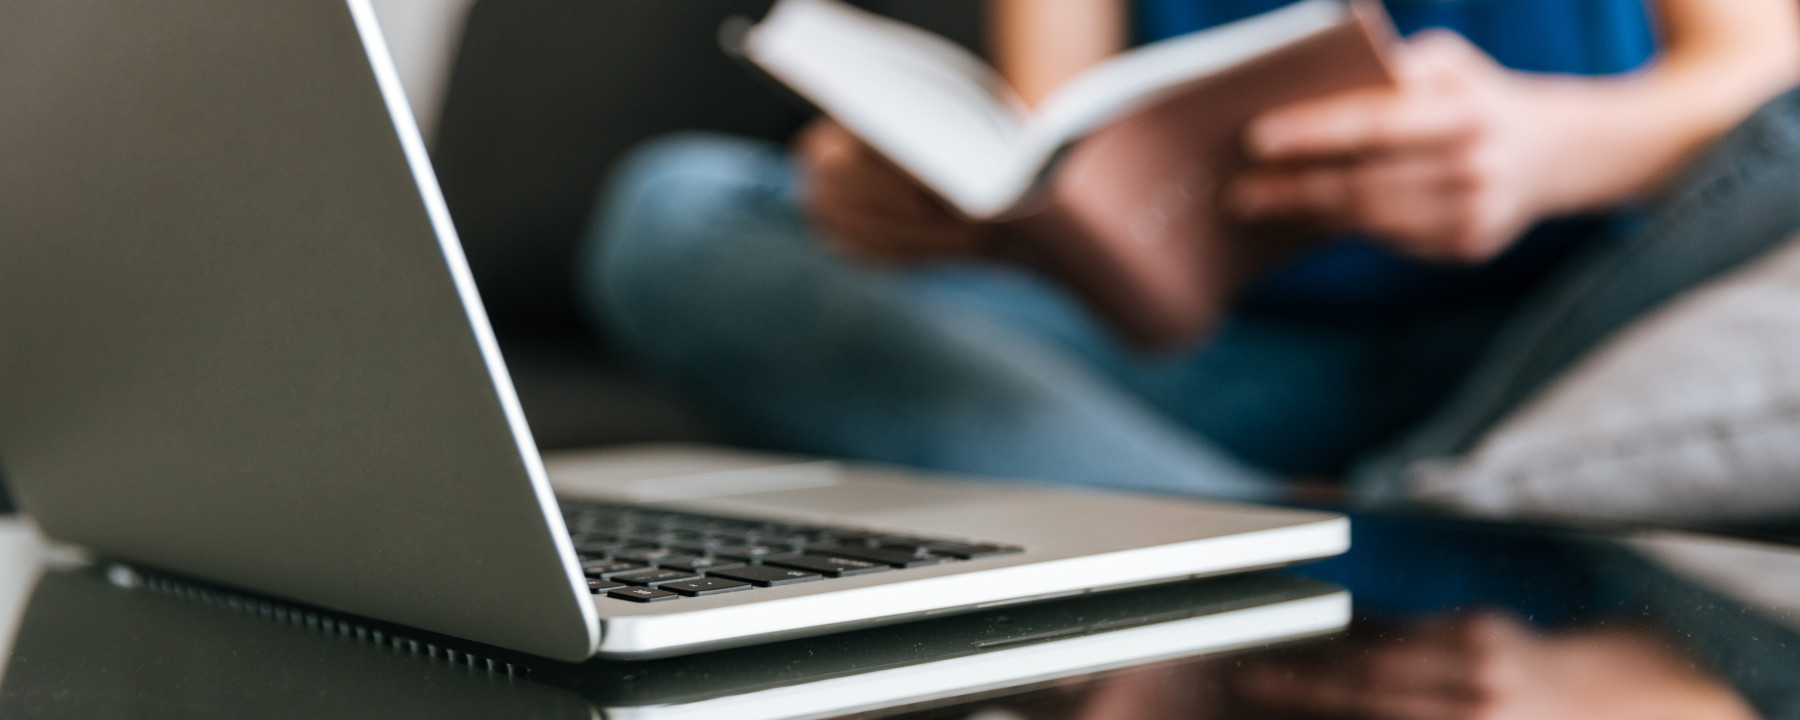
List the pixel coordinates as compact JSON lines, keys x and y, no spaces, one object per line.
{"x":858,"y":178}
{"x":1410,"y":218}
{"x":1405,"y":172}
{"x":1451,"y":226}
{"x":874,"y":211}
{"x":902,"y":204}
{"x":1359,"y":123}
{"x":1430,"y":104}
{"x":1422,"y":204}
{"x":823,"y":144}
{"x":1402,"y":194}
{"x":1321,"y":192}
{"x":837,"y":164}
{"x":1405,"y":200}
{"x":1342,"y":188}
{"x":1437,"y":54}
{"x":857,"y":174}
{"x":885,"y":191}
{"x":877,"y":239}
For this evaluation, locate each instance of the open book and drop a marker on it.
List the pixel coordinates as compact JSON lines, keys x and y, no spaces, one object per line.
{"x":1112,"y":181}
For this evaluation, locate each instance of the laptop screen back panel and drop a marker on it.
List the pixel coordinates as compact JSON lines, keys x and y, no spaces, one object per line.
{"x":237,"y":336}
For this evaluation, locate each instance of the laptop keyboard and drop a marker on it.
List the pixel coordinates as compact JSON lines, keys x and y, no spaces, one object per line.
{"x":639,"y":554}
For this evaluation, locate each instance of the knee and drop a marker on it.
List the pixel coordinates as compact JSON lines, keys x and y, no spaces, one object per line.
{"x":677,"y":191}
{"x":697,"y":165}
{"x":673,"y":208}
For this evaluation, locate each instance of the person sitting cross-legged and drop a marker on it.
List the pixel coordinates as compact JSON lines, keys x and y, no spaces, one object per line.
{"x":821,"y":301}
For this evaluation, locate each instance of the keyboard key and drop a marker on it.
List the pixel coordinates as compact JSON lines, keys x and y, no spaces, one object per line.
{"x":641,"y":594}
{"x":830,"y":565}
{"x":648,"y":556}
{"x":704,"y":586}
{"x":605,"y":569}
{"x":598,"y":550}
{"x":662,"y":538}
{"x":962,"y":551}
{"x":896,"y":542}
{"x":695,"y":547}
{"x":829,"y":535}
{"x":698,"y":564}
{"x":766,"y":575}
{"x":697,"y":525}
{"x":786,"y":538}
{"x":696,"y":543}
{"x":651,"y":577}
{"x":751,"y":553}
{"x":613,"y":548}
{"x":597,"y":586}
{"x":739,"y":538}
{"x":896,"y":558}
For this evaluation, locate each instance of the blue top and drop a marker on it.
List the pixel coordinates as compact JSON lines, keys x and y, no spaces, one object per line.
{"x":1582,"y":37}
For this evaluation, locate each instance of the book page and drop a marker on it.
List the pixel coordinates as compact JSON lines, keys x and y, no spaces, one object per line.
{"x":1136,"y":78}
{"x":929,"y":105}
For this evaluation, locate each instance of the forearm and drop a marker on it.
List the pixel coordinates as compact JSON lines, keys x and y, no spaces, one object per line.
{"x":1038,"y":44}
{"x":1623,"y":138}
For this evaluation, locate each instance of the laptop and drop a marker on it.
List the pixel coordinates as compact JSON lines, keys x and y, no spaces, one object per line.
{"x":242,"y":344}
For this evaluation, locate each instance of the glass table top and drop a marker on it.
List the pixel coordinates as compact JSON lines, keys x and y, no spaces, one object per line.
{"x":1425,"y":618}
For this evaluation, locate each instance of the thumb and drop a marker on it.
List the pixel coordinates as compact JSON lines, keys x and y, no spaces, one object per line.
{"x":1434,"y":56}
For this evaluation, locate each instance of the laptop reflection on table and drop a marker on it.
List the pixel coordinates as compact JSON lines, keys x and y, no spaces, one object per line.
{"x":93,"y":643}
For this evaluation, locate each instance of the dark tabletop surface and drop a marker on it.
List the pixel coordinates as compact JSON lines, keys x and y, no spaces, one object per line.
{"x":1450,"y":619}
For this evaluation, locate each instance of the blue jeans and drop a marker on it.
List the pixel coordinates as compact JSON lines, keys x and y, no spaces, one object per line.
{"x":700,"y":264}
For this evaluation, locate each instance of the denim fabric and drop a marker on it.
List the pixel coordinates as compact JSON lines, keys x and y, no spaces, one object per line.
{"x":706,"y":271}
{"x":700,"y":264}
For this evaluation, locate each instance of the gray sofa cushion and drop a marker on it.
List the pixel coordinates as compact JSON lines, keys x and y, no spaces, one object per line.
{"x":1692,"y":415}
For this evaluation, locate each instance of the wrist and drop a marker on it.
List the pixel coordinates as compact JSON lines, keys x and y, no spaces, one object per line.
{"x":1609,"y":141}
{"x":1605,"y":142}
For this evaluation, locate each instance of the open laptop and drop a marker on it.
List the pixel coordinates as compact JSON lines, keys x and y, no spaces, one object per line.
{"x":241,"y":343}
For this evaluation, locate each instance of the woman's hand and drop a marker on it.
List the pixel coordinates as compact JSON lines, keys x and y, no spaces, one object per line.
{"x":1463,"y":155}
{"x":1446,"y":166}
{"x":867,"y":207}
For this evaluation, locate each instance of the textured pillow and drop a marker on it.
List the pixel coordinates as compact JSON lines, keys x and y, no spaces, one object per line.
{"x":1690,"y":415}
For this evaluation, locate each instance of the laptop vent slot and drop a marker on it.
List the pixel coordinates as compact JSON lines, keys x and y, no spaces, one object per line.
{"x":401,"y":643}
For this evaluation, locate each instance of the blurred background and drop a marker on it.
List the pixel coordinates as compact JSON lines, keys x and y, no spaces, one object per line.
{"x":527,"y":105}
{"x":423,"y":37}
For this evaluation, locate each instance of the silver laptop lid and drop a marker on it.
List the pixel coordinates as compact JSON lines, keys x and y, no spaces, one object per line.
{"x":238,"y":337}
